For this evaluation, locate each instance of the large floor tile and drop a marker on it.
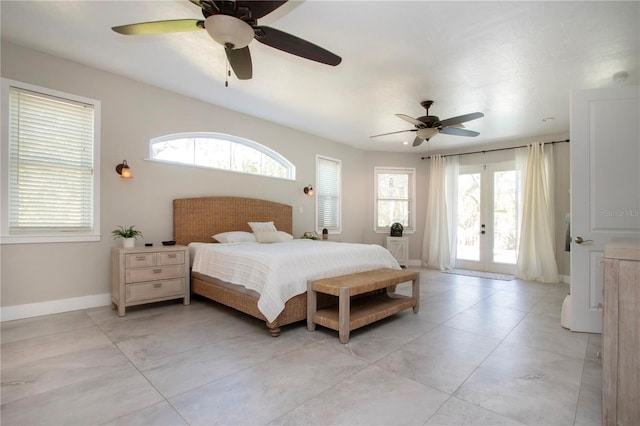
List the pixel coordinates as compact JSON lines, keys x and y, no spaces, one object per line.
{"x":182,"y":372}
{"x":370,"y":397}
{"x":379,"y":339}
{"x":532,"y":386}
{"x":20,"y":352}
{"x":89,"y":402}
{"x":263,"y":393}
{"x":544,"y":332}
{"x":439,"y":308}
{"x":456,"y":412}
{"x":161,"y":414}
{"x":491,"y":321}
{"x":29,"y":328}
{"x":589,"y":411}
{"x":55,"y":372}
{"x":442,"y":358}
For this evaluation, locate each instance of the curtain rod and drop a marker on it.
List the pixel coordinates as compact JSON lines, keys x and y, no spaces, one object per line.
{"x":497,"y":149}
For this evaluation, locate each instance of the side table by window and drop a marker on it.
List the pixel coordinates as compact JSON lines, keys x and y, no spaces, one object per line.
{"x":399,"y":248}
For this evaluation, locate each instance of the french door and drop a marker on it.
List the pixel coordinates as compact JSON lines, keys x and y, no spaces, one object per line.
{"x":487,"y":218}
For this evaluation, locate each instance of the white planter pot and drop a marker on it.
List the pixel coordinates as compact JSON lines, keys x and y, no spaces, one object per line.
{"x":129,"y":242}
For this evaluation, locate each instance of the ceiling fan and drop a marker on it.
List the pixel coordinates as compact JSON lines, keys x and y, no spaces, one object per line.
{"x":428,"y":126}
{"x":234,"y":24}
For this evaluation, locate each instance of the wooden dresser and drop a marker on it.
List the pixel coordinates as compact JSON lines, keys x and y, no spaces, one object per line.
{"x":621,"y":334}
{"x":148,"y":274}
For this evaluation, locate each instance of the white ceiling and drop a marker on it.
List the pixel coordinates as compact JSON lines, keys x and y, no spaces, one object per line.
{"x":517,"y":62}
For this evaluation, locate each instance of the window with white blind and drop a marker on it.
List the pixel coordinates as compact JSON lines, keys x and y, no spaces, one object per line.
{"x":328,"y":190}
{"x":50,"y":158}
{"x":395,"y":198}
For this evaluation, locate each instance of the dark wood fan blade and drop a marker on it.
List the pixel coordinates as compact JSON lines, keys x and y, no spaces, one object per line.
{"x":393,"y":133}
{"x":460,"y":119}
{"x":417,"y":141}
{"x":411,"y":120}
{"x":458,"y":132}
{"x":161,"y":27}
{"x":240,"y":61}
{"x":259,"y":8}
{"x":294,"y":45}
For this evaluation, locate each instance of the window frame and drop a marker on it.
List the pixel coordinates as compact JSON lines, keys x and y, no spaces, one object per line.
{"x":47,"y":235}
{"x":318,"y":193}
{"x":263,"y":149}
{"x":409,"y":171}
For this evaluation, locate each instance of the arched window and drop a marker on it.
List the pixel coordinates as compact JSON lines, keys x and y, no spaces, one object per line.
{"x":221,"y":151}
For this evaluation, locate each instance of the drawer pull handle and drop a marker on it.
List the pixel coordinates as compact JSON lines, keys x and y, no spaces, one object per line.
{"x":157,"y":271}
{"x":172,"y":256}
{"x":140,"y":257}
{"x":157,"y":285}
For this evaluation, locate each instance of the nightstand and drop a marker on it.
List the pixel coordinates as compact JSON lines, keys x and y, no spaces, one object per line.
{"x":148,"y":274}
{"x":399,"y":248}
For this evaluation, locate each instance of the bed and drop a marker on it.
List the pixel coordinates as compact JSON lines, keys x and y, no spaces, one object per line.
{"x":196,"y":220}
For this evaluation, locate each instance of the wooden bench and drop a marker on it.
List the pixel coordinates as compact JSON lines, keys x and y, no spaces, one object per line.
{"x":350,"y":315}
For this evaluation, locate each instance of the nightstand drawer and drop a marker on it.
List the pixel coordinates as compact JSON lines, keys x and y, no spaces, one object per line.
{"x":140,"y":260}
{"x":171,"y":258}
{"x":152,"y":274}
{"x":154,"y":290}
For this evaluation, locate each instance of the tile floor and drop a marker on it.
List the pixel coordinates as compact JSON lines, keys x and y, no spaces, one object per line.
{"x":480,"y":352}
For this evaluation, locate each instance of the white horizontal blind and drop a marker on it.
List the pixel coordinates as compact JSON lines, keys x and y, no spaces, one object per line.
{"x":328,"y":194}
{"x":51,"y":162}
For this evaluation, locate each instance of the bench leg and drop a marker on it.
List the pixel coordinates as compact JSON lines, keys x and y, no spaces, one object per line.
{"x":312,"y":306}
{"x":344,"y":314}
{"x":415,"y":292}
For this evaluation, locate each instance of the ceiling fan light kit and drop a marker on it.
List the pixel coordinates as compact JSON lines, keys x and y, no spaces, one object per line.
{"x":230,"y":32}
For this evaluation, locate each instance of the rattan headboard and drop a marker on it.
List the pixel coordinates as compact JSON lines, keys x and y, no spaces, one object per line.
{"x":198,"y":219}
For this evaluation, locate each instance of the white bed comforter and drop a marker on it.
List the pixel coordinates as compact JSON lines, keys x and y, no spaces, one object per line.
{"x":280,"y":271}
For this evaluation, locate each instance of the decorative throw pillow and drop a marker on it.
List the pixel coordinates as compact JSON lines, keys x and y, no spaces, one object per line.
{"x":262,"y":226}
{"x":235,"y":237}
{"x":273,"y":237}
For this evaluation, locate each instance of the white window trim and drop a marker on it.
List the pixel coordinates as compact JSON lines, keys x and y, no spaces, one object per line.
{"x":60,"y":237}
{"x":291,"y":168}
{"x":412,"y":198}
{"x":318,"y":229}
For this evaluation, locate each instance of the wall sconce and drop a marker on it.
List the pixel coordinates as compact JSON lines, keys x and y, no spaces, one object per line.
{"x":308,"y":190}
{"x":123,"y":170}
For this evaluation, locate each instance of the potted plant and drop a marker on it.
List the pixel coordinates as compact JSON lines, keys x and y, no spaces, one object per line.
{"x":129,"y":234}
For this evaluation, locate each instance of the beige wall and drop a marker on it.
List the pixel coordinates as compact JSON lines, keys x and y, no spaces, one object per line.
{"x":133,"y":113}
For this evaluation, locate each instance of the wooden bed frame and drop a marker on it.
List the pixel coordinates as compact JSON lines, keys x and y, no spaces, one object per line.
{"x":198,"y":219}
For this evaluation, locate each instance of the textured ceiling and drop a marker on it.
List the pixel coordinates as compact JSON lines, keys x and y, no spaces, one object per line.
{"x":517,"y":62}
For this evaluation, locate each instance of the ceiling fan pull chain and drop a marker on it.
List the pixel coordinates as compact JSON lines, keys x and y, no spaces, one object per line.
{"x":226,"y":81}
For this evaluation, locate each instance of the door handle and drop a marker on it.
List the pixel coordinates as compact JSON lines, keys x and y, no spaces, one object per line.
{"x":579,"y":240}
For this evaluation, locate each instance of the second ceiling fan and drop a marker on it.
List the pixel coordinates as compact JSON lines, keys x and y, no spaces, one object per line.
{"x":428,"y":126}
{"x":234,"y":24}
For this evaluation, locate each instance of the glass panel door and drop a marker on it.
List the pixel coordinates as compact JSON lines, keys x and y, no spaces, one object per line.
{"x":469,"y":204}
{"x":487,"y":225}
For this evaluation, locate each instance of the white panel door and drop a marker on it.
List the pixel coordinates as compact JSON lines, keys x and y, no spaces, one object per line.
{"x":605,"y":190}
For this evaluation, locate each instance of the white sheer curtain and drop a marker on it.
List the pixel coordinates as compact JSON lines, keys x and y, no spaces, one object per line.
{"x":439,"y":243}
{"x":536,"y":252}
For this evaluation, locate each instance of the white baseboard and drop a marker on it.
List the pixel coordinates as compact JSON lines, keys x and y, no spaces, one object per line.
{"x":9,"y":313}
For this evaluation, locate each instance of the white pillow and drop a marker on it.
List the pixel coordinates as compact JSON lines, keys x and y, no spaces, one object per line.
{"x":235,"y":237}
{"x":273,"y":237}
{"x":262,"y":226}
